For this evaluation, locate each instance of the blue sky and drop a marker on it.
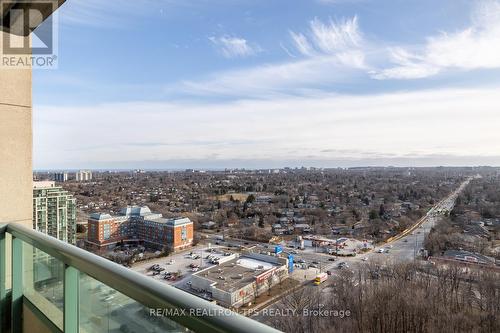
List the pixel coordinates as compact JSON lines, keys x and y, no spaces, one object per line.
{"x":177,"y":84}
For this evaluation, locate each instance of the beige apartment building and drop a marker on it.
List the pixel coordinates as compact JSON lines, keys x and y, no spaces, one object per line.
{"x":16,"y":111}
{"x":15,"y":144}
{"x":16,"y":174}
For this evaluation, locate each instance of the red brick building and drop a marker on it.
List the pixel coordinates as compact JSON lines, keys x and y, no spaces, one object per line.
{"x":139,"y":224}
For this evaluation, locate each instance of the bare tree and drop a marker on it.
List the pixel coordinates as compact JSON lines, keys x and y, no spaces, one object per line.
{"x":269,"y":283}
{"x":399,"y":298}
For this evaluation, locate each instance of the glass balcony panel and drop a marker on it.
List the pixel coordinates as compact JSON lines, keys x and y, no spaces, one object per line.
{"x":8,"y":261}
{"x":103,"y":310}
{"x":43,"y":285}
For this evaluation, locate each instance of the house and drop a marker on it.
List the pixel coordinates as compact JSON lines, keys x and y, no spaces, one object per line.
{"x":302,"y":228}
{"x":208,"y":225}
{"x":263,"y":199}
{"x":299,"y":219}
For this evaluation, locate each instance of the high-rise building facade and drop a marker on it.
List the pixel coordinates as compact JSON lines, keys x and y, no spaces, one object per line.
{"x":54,"y":211}
{"x":61,"y":176}
{"x":83,"y":176}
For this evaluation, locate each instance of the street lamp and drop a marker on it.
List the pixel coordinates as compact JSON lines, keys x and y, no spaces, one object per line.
{"x":415,"y":248}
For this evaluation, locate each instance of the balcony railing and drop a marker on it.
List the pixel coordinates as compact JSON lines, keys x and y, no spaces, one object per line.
{"x":71,"y":290}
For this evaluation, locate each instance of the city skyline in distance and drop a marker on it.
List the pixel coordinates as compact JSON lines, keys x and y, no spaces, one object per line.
{"x":278,"y":165}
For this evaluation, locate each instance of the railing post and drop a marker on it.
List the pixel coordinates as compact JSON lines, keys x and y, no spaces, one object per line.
{"x":3,"y":281}
{"x":17,"y":285}
{"x":71,"y":299}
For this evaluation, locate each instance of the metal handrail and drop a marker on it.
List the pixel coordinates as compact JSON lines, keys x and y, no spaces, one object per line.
{"x":199,"y":315}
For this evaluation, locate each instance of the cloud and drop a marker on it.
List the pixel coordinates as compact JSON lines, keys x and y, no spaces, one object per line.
{"x":334,"y":37}
{"x":341,"y":40}
{"x":264,"y":81}
{"x":302,"y":44}
{"x":476,"y":47}
{"x":337,"y":52}
{"x":119,"y":14}
{"x":286,"y":111}
{"x":98,"y":13}
{"x":328,"y":53}
{"x":234,"y":47}
{"x":334,"y":127}
{"x":284,"y":48}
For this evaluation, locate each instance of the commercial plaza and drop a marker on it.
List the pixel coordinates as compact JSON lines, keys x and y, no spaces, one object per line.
{"x":240,"y":279}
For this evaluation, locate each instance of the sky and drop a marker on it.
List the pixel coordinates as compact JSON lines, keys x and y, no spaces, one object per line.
{"x":173,"y":84}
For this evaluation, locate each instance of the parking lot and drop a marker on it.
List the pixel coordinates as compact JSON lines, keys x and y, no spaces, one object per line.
{"x":177,"y":268}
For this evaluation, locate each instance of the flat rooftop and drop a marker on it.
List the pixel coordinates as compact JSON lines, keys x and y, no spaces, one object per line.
{"x":235,"y":274}
{"x":171,"y":221}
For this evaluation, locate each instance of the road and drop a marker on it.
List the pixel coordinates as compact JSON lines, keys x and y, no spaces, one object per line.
{"x":401,"y":248}
{"x":405,"y":247}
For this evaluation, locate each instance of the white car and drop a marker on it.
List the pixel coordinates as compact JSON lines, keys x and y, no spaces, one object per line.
{"x":380,"y":251}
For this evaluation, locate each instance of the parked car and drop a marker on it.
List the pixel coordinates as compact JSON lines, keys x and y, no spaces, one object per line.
{"x":342,"y":265}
